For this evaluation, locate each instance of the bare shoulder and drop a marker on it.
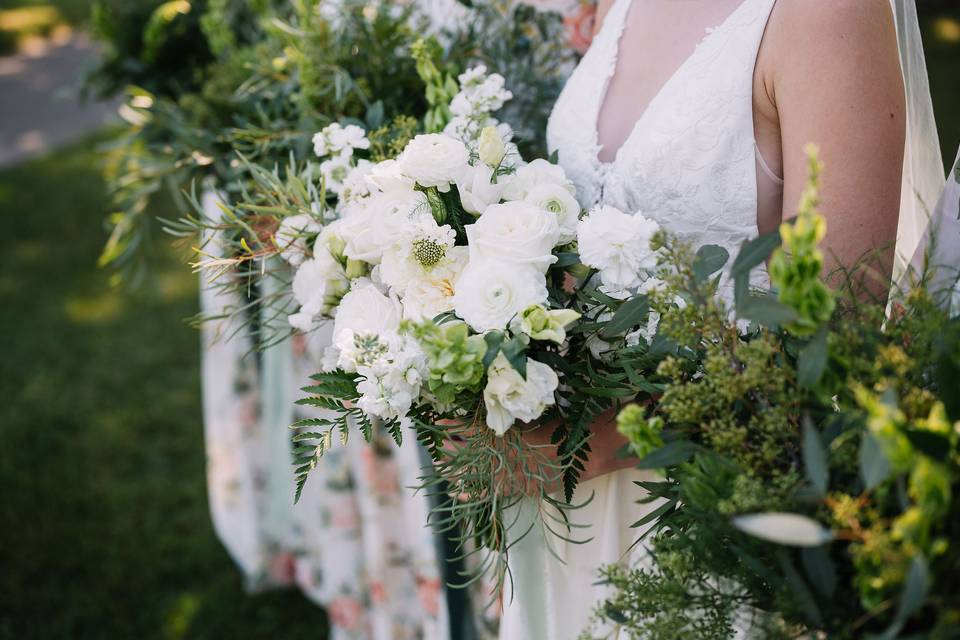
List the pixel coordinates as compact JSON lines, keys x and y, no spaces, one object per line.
{"x":817,"y":29}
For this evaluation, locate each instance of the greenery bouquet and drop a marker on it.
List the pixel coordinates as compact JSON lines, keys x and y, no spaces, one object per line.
{"x":809,"y":441}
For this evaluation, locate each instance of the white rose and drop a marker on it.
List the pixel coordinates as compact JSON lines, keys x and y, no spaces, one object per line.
{"x":556,"y":199}
{"x":515,"y":232}
{"x":489,"y":293}
{"x":365,"y":310}
{"x":291,"y":237}
{"x":618,"y":245}
{"x":533,"y":174}
{"x":508,"y":397}
{"x":477,"y":192}
{"x":317,"y":286}
{"x":434,"y":160}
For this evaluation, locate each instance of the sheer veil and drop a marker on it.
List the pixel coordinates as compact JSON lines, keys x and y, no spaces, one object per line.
{"x":929,"y":232}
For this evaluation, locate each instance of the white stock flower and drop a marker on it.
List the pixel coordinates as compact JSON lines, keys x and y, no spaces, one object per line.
{"x":477,"y":191}
{"x":335,"y":139}
{"x":515,"y":232}
{"x":434,"y":160}
{"x":317,"y":286}
{"x":489,"y":293}
{"x":291,"y":237}
{"x":334,"y":172}
{"x":534,"y":174}
{"x":389,"y":386}
{"x":556,"y":199}
{"x":618,"y":245}
{"x":508,"y":397}
{"x":355,"y":186}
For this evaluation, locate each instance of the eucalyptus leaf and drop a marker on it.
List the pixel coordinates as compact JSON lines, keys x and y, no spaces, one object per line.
{"x":515,"y":351}
{"x":710,"y":259}
{"x":815,"y":458}
{"x":493,"y":339}
{"x":754,"y":252}
{"x":789,"y":529}
{"x":630,"y":314}
{"x":874,"y":466}
{"x":670,"y":454}
{"x":812,"y":360}
{"x":766,"y":310}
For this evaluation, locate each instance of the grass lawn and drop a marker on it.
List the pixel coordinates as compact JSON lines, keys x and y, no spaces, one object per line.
{"x":104,"y":529}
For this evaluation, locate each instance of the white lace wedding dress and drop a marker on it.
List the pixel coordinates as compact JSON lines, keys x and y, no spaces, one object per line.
{"x":691,"y":163}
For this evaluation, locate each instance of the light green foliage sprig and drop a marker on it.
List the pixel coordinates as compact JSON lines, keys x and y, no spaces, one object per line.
{"x":796,"y":266}
{"x":454,"y":357}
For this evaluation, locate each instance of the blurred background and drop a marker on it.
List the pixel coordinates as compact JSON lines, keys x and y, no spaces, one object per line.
{"x":104,"y":527}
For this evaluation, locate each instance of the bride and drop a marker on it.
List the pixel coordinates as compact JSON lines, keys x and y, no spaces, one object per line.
{"x":696,"y":113}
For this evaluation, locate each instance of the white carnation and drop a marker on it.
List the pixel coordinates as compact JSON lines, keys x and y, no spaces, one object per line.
{"x":490,"y":292}
{"x":434,"y":160}
{"x":515,"y":232}
{"x":618,"y":245}
{"x":291,"y":237}
{"x":508,"y":397}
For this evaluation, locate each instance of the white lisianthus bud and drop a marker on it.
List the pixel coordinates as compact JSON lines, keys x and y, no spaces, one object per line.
{"x":509,"y":397}
{"x":492,"y":149}
{"x":542,"y":324}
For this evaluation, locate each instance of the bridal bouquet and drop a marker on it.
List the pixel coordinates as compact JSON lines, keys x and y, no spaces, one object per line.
{"x":810,"y":457}
{"x":470,"y":300}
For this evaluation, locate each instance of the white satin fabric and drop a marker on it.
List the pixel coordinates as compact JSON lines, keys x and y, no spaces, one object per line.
{"x":690,"y":163}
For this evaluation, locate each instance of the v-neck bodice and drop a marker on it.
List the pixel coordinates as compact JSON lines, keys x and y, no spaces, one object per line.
{"x":690,"y":160}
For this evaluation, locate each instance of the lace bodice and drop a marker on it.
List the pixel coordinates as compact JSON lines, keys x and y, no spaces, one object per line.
{"x":690,"y":162}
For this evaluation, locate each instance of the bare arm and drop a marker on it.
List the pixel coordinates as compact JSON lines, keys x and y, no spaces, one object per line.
{"x":832,"y":71}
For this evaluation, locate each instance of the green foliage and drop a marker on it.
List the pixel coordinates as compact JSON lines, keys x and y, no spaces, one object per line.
{"x":456,"y":360}
{"x":837,"y":416}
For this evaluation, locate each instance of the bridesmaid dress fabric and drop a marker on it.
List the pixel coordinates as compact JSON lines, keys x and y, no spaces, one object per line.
{"x":690,"y":163}
{"x":357,"y":543}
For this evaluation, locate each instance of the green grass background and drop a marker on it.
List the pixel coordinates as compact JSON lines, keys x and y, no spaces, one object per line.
{"x":104,"y":528}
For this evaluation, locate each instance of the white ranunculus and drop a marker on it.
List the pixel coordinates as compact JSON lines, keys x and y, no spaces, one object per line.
{"x":534,"y":174}
{"x":515,"y":232}
{"x":317,"y":286}
{"x":432,"y":293}
{"x":365,"y":310}
{"x":291,"y":237}
{"x":618,"y":245}
{"x":387,"y":176}
{"x":508,"y":397}
{"x":477,"y":191}
{"x":490,"y":292}
{"x":556,"y":199}
{"x":434,"y":160}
